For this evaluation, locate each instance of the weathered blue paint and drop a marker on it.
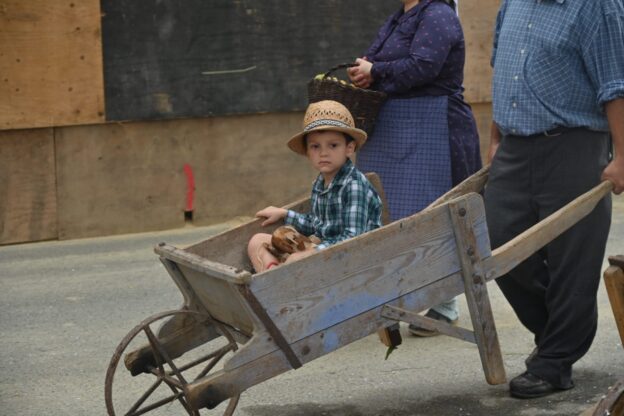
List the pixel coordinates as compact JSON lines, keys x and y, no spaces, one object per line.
{"x":351,"y":307}
{"x":331,"y":341}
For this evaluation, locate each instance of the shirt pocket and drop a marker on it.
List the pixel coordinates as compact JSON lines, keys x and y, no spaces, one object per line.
{"x":553,"y":69}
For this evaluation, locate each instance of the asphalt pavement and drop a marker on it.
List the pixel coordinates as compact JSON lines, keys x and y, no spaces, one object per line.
{"x":64,"y":307}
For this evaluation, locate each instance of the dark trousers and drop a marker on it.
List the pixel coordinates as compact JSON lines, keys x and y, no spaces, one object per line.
{"x":553,"y":292}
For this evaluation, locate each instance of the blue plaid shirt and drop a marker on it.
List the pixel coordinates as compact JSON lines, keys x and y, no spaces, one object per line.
{"x":556,"y":63}
{"x":349,"y":206}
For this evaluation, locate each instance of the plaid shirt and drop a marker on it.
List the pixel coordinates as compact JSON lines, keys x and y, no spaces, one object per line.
{"x":349,"y":206}
{"x":556,"y":63}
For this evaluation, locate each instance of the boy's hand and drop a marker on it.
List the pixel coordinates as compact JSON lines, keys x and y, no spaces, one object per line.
{"x":272,"y":215}
{"x":300,"y":255}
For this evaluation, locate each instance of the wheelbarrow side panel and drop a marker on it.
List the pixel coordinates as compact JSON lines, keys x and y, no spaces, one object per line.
{"x":361,"y":274}
{"x":234,"y":380}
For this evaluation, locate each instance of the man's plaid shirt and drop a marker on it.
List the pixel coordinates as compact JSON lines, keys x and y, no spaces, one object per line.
{"x":349,"y":206}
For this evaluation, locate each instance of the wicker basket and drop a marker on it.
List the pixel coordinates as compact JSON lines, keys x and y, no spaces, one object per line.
{"x":363,"y":104}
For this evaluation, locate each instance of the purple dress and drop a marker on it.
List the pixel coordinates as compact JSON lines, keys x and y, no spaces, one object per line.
{"x":425,"y":139}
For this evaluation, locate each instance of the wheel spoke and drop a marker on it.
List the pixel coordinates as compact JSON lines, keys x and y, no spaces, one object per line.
{"x":155,"y":405}
{"x":172,"y":376}
{"x":220,"y":351}
{"x":229,"y":411}
{"x":155,"y":344}
{"x":147,"y":393}
{"x":211,"y":365}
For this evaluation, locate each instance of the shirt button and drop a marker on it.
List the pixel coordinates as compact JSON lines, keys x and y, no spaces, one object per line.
{"x":530,"y":25}
{"x":513,"y":131}
{"x":522,"y":51}
{"x":516,"y":78}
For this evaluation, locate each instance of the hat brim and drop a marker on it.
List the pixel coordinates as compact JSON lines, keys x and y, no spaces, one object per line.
{"x":297,"y":145}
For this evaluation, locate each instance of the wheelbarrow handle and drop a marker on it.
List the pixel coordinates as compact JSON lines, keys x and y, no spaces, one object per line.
{"x":512,"y":253}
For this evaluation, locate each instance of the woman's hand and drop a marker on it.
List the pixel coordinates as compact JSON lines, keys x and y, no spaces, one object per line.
{"x":272,"y":215}
{"x":360,"y":75}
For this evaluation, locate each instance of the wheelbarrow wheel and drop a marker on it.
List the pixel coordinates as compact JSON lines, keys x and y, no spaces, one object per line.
{"x":168,"y":377}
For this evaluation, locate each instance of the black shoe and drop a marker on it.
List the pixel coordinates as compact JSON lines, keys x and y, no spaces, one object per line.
{"x":529,"y":386}
{"x":422,"y":332}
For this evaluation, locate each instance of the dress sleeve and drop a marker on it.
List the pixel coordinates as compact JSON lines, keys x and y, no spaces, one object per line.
{"x":603,"y":54}
{"x":354,"y":214}
{"x":437,"y":32}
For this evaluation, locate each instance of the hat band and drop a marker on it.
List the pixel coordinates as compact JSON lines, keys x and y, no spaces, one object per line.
{"x":326,"y":122}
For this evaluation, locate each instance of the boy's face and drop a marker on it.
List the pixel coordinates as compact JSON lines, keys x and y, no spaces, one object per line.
{"x":328,"y":151}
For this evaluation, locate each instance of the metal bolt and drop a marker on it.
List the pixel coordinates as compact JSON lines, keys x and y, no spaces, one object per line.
{"x":476,"y":279}
{"x":470,"y":251}
{"x":462,"y":212}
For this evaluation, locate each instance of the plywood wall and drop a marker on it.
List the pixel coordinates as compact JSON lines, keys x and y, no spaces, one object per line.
{"x":50,"y":63}
{"x":478,"y":17}
{"x":27,"y":186}
{"x":88,"y":178}
{"x":122,"y":178}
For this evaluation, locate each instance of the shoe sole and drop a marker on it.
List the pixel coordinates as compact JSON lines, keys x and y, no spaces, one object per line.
{"x":423,"y":333}
{"x":537,"y":395}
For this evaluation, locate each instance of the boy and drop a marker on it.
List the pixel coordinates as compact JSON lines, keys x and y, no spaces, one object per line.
{"x":344,"y":203}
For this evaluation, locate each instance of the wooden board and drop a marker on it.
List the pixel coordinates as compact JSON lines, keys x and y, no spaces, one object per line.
{"x":614,"y":282}
{"x":478,"y":19}
{"x":223,"y":384}
{"x":483,"y":116}
{"x":121,"y":178}
{"x":165,"y":58}
{"x":27,"y":186}
{"x":50,"y":63}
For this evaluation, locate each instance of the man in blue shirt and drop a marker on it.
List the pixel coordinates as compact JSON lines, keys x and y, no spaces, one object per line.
{"x":558,"y":102}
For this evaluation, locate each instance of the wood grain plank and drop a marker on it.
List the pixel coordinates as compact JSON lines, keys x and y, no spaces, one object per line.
{"x":476,"y":293}
{"x":51,"y":63}
{"x":225,"y":384}
{"x":478,"y":18}
{"x":614,"y":283}
{"x":28,"y":203}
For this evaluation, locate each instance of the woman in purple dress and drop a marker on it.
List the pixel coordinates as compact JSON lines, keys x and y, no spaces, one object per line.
{"x":425,"y":139}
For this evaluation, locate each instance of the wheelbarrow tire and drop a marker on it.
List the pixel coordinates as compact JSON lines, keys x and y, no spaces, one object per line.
{"x":171,"y":378}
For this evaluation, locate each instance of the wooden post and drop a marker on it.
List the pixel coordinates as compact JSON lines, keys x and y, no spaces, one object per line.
{"x":614,"y":282}
{"x":476,"y":294}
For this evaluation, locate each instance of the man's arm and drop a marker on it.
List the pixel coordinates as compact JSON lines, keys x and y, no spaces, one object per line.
{"x":615,"y":170}
{"x":495,"y":138}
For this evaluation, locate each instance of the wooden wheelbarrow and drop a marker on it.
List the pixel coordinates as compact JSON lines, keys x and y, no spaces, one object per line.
{"x":271,"y":322}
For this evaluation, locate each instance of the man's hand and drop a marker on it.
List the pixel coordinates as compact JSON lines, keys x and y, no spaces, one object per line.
{"x":615,"y":170}
{"x":272,"y":215}
{"x":360,"y":75}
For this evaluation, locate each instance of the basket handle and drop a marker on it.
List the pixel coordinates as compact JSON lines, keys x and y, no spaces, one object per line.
{"x":339,"y":66}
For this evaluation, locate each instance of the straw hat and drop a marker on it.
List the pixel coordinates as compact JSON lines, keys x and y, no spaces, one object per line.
{"x":326,"y":115}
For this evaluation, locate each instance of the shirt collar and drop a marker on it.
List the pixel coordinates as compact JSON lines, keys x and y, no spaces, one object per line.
{"x":339,"y":179}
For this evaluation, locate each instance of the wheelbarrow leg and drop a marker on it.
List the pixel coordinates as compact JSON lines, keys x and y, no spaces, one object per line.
{"x":477,"y":294}
{"x":614,"y":282}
